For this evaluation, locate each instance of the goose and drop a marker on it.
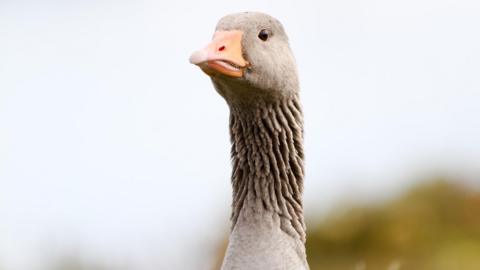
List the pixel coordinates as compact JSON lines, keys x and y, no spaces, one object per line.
{"x":252,"y":67}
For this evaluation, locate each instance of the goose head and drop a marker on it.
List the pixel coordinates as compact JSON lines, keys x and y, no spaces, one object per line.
{"x":249,"y":58}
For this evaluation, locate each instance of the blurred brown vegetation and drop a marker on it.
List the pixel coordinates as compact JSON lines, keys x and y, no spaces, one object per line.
{"x":433,"y":226}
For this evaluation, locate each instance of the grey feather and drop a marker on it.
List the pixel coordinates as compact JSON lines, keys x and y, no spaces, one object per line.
{"x":266,"y":128}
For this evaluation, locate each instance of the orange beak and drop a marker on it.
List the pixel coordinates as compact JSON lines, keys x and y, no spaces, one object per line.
{"x":223,"y":55}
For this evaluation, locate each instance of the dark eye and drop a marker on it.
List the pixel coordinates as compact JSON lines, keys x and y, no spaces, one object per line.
{"x":263,"y":35}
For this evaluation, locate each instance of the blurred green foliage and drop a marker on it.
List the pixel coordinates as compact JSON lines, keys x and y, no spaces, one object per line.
{"x":77,"y":262}
{"x":433,"y":226}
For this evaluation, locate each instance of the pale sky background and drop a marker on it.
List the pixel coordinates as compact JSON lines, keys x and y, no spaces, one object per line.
{"x":112,"y":145}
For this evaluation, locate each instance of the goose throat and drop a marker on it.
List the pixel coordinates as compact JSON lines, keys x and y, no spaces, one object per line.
{"x":267,"y":159}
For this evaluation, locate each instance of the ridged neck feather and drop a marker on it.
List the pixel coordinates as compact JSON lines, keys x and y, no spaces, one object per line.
{"x":267,"y":157}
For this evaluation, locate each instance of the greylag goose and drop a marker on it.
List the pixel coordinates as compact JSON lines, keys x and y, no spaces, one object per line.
{"x":252,"y":67}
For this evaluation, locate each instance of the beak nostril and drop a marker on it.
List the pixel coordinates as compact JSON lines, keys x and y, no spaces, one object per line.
{"x":221,"y":48}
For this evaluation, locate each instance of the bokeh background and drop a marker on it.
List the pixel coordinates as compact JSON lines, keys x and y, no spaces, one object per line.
{"x":114,"y":150}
